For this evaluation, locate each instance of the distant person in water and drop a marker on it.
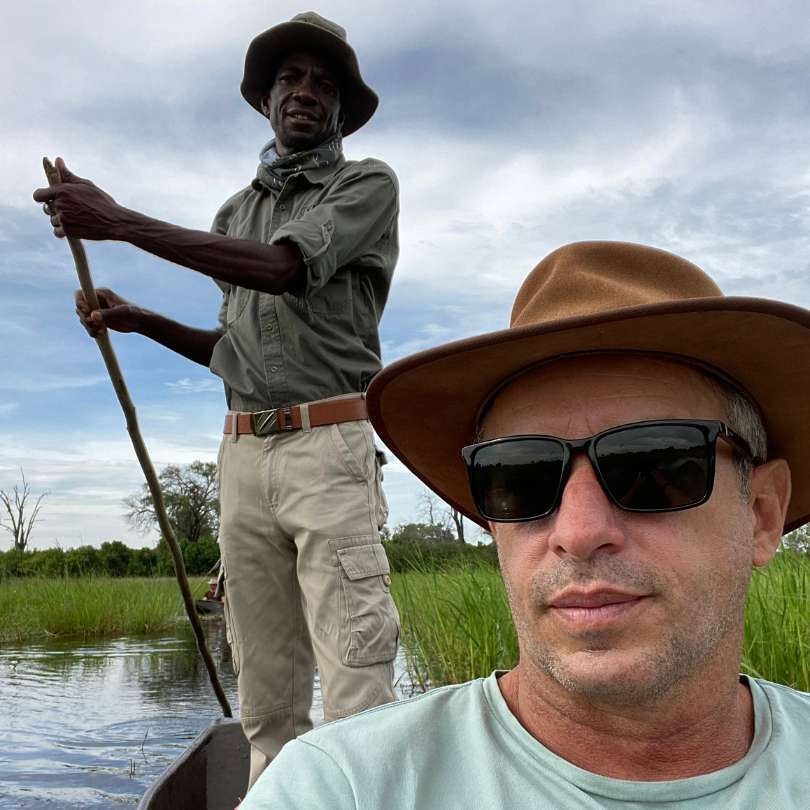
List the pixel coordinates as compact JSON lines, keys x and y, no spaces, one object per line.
{"x":211,"y":593}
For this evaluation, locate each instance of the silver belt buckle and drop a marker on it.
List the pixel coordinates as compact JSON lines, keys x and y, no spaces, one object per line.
{"x":264,"y":423}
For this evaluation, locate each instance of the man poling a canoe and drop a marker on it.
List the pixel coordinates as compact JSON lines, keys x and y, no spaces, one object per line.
{"x":637,"y":443}
{"x":304,"y":257}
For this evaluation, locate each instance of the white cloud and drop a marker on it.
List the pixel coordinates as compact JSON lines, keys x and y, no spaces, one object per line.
{"x":683,"y":125}
{"x":49,"y":381}
{"x":86,"y":478}
{"x":188,"y":386}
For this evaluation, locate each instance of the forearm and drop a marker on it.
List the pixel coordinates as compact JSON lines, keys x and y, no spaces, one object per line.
{"x":195,"y":344}
{"x":242,"y":262}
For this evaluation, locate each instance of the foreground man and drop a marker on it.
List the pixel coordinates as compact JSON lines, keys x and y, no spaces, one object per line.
{"x":613,"y":441}
{"x":304,"y":257}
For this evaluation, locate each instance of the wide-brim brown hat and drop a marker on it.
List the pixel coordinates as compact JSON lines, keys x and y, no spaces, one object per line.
{"x":602,"y":297}
{"x":309,"y":32}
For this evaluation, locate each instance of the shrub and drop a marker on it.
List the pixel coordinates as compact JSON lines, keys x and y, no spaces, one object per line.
{"x":82,"y":561}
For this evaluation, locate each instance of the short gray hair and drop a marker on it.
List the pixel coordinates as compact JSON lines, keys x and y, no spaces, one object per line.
{"x":744,"y":417}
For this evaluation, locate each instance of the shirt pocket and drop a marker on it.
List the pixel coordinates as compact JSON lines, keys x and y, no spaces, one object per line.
{"x":369,"y":632}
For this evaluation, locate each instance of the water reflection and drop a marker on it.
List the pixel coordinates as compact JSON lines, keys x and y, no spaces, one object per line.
{"x":93,"y":724}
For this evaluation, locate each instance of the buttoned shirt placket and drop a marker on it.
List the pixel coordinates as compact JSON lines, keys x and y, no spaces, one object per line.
{"x":274,"y":367}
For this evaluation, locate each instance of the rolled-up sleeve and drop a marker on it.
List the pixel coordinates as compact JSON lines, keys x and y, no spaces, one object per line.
{"x":220,"y":226}
{"x":358,"y":212}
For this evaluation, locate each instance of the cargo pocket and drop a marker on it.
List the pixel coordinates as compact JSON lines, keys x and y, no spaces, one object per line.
{"x":369,"y":632}
{"x":230,"y":636}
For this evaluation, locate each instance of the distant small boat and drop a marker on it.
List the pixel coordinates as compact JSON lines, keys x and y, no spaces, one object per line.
{"x":209,"y":605}
{"x":212,"y":773}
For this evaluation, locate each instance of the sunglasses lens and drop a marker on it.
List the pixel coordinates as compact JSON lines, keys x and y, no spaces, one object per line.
{"x":517,"y":479}
{"x":656,"y":467}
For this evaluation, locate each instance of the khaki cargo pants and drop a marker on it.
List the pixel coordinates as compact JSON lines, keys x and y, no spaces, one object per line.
{"x":306,"y":578}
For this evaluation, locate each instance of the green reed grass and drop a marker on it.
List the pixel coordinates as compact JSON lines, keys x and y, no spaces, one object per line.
{"x":777,"y":622}
{"x":456,"y":623}
{"x":86,"y":607}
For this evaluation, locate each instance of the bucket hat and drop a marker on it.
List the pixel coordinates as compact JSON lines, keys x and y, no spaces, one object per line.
{"x":309,"y":32}
{"x":602,"y":297}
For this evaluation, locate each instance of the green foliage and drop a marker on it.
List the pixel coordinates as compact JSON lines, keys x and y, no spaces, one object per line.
{"x":798,"y":540}
{"x":408,"y":555}
{"x":424,"y":533}
{"x":79,"y":562}
{"x":199,"y":556}
{"x":51,"y":562}
{"x":15,"y":563}
{"x":143,"y":562}
{"x":112,"y":559}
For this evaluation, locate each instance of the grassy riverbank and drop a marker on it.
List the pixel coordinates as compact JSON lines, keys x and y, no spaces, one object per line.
{"x":455,"y":623}
{"x":85,"y":607}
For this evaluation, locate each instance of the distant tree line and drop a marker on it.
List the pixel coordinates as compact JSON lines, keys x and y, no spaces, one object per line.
{"x":111,"y":559}
{"x":414,"y":555}
{"x":435,"y":542}
{"x":116,"y":559}
{"x":798,"y":540}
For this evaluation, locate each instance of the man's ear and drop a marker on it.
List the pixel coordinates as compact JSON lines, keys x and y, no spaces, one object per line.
{"x":265,"y":105}
{"x":770,"y":496}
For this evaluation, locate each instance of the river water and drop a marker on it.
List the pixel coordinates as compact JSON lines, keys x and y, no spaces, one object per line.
{"x":93,"y":724}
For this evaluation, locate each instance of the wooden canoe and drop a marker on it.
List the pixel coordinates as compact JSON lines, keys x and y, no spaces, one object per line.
{"x":209,"y":606}
{"x":212,"y":774}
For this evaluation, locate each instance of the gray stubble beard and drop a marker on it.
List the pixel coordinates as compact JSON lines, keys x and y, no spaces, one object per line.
{"x":689,"y":646}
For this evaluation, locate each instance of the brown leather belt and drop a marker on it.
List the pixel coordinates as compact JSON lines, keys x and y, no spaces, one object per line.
{"x":280,"y":420}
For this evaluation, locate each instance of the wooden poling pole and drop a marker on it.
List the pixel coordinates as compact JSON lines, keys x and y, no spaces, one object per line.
{"x":117,"y":378}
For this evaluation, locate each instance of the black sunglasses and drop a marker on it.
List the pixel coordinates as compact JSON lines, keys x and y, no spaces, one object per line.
{"x":660,"y":466}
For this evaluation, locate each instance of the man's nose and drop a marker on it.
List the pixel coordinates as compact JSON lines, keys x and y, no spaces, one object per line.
{"x":304,"y":90}
{"x":586,"y":520}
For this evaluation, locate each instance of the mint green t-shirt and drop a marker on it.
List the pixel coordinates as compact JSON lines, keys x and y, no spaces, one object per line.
{"x":461,"y":747}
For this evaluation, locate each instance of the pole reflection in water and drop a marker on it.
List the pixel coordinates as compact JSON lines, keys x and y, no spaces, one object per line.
{"x":93,"y":724}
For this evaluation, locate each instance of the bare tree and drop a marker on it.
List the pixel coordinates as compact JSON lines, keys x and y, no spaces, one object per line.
{"x":435,"y":512}
{"x":458,"y":519}
{"x":22,"y":512}
{"x":430,"y":509}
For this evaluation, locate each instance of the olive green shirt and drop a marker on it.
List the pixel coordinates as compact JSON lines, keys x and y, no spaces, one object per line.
{"x":279,"y":350}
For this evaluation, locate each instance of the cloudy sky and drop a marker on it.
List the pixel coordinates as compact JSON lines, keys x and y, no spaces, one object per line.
{"x":514,"y":127}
